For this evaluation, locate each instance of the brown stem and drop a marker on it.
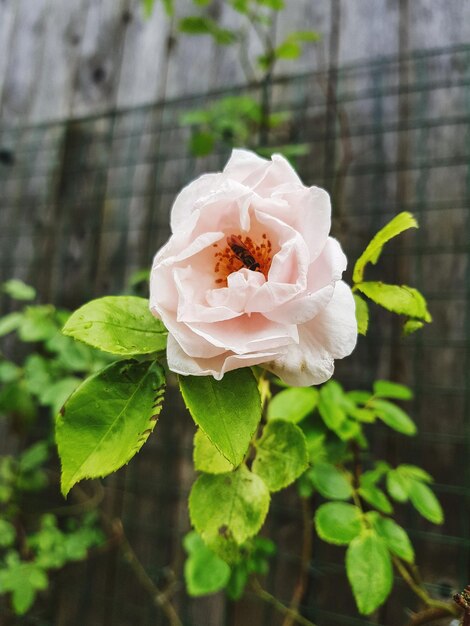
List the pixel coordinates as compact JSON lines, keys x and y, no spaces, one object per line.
{"x":420,"y":591}
{"x":115,"y":530}
{"x":306,"y":557}
{"x":278,"y":605}
{"x":160,"y":598}
{"x":429,"y":615}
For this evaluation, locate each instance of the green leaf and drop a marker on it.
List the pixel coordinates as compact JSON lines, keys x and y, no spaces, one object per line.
{"x":293,"y":404}
{"x":399,"y":299}
{"x":397,"y":486}
{"x":10,"y":322}
{"x":7,"y":533}
{"x":330,"y":404}
{"x":387,"y":389}
{"x":375,"y":497}
{"x":362,"y":314}
{"x":56,"y":394}
{"x":206,"y":456}
{"x":117,"y":324}
{"x":411,"y":326}
{"x":227,"y":410}
{"x":402,"y":221}
{"x":395,"y":537}
{"x":338,"y":522}
{"x":330,"y":481}
{"x":275,"y":5}
{"x":413,"y":471}
{"x":35,"y":456}
{"x":281,"y":454}
{"x":394,"y":417}
{"x":200,"y":25}
{"x":204,"y":571}
{"x":425,"y":502}
{"x":369,"y":570}
{"x":9,"y":372}
{"x":107,"y":419}
{"x":288,"y":50}
{"x":230,"y":506}
{"x":22,"y":579}
{"x":148,"y":7}
{"x":202,"y":143}
{"x":18,"y":290}
{"x":38,"y":324}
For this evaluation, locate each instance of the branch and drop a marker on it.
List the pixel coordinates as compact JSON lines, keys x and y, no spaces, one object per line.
{"x":278,"y":605}
{"x":429,"y":615}
{"x":306,"y":557}
{"x":160,"y":598}
{"x":421,"y":592}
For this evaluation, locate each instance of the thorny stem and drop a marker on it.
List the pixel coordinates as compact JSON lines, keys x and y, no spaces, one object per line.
{"x":278,"y":605}
{"x":420,"y":591}
{"x":306,"y":557}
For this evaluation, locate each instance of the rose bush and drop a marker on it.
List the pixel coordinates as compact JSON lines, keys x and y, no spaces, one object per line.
{"x":250,"y":276}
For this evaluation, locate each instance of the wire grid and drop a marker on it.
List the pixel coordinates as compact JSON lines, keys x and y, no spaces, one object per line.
{"x":85,"y":203}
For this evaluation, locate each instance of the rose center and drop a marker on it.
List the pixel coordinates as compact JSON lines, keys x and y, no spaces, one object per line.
{"x":241,"y":251}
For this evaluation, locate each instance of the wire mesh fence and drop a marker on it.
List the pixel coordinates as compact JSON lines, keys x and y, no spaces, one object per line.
{"x":84,"y":203}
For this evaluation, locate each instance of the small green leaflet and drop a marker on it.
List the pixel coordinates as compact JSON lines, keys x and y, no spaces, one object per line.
{"x":401,"y":222}
{"x":330,"y":481}
{"x":331,"y":405}
{"x":23,"y":580}
{"x":338,"y":522}
{"x":362,"y":314}
{"x":227,"y":410}
{"x":399,"y":299}
{"x":387,"y":389}
{"x":107,"y":419}
{"x":117,"y":324}
{"x":231,"y":506}
{"x":206,"y":456}
{"x":281,"y":454}
{"x":425,"y":502}
{"x":18,"y":290}
{"x":394,"y":536}
{"x":369,"y":570}
{"x":293,"y":404}
{"x":393,"y":416}
{"x":375,"y":497}
{"x":204,"y":571}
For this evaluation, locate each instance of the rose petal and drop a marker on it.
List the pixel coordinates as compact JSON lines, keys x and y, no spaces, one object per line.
{"x":181,"y":363}
{"x":247,"y":333}
{"x":332,"y":334}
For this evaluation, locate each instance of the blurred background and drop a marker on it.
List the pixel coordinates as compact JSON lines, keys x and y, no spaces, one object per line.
{"x":107,"y":108}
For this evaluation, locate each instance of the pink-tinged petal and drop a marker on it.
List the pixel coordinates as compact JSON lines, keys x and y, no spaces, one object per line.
{"x":228,"y":208}
{"x":188,"y":340}
{"x":304,"y":308}
{"x":332,"y":334}
{"x":322,"y":276}
{"x":248,"y":333}
{"x":192,"y":286}
{"x":241,"y":287}
{"x":260,"y":174}
{"x":307,"y":210}
{"x":185,"y":202}
{"x":181,"y":363}
{"x":290,"y":261}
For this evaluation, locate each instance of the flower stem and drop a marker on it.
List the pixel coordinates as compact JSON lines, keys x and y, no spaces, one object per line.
{"x":278,"y":605}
